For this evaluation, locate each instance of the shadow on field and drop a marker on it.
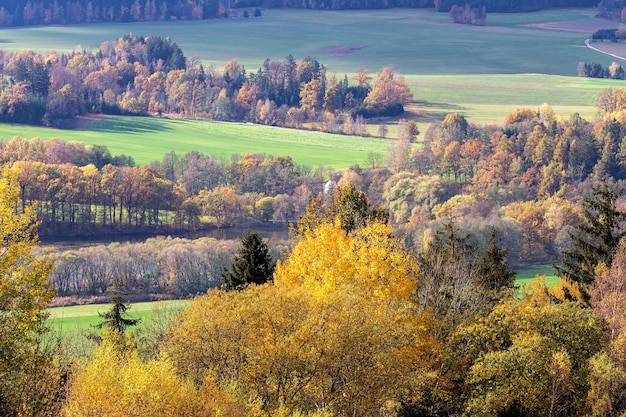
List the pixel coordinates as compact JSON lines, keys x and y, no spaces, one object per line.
{"x":138,"y":125}
{"x":428,"y":112}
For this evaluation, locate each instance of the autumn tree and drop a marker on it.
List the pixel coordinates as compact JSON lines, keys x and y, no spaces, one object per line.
{"x":350,"y":207}
{"x":389,"y":93}
{"x":528,"y":357}
{"x":24,"y":295}
{"x":252,"y":264}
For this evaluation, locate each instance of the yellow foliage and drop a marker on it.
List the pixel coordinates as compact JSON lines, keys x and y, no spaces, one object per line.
{"x":327,"y":259}
{"x":116,"y":382}
{"x":298,"y":351}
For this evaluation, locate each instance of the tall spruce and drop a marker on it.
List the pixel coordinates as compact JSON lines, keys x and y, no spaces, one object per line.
{"x":596,"y":239}
{"x":252,"y":264}
{"x":494,"y":267}
{"x":115,"y":319}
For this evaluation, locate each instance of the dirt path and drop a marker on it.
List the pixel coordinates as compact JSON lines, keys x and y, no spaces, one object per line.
{"x":590,"y":46}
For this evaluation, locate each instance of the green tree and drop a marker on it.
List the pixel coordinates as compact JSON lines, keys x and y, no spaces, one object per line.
{"x":350,"y":207}
{"x":114,"y":318}
{"x":252,"y":264}
{"x":595,"y":240}
{"x":494,"y":269}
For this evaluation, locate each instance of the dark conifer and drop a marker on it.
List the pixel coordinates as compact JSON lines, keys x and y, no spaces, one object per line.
{"x":596,"y":239}
{"x":494,"y":269}
{"x":252,"y":264}
{"x":115,"y":318}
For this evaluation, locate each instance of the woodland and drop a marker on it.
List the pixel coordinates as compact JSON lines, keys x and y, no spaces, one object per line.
{"x":51,"y":12}
{"x":395,"y":295}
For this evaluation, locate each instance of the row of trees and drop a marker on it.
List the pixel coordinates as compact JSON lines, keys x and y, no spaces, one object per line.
{"x":158,"y":267}
{"x":141,"y":76}
{"x":525,"y":176}
{"x":594,"y":70}
{"x":49,"y":12}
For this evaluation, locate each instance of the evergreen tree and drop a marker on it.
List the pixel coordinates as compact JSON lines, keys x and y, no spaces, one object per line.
{"x":595,"y":240}
{"x":494,"y":269}
{"x":252,"y":264}
{"x":115,"y":319}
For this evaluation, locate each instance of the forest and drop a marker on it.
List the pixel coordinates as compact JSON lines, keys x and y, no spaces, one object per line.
{"x":395,"y":295}
{"x":437,"y":332}
{"x":50,"y":12}
{"x":151,"y":76}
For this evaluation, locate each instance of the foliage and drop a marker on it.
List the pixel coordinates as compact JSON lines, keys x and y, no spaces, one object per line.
{"x":350,"y":208}
{"x":114,"y":381}
{"x":340,"y":353}
{"x":528,"y":356}
{"x":24,"y":295}
{"x":252,"y":264}
{"x":325,"y":259}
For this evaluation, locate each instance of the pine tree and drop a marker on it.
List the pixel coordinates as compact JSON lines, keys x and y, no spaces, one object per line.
{"x":115,"y":319}
{"x":252,"y":264}
{"x":595,"y":240}
{"x":494,"y":269}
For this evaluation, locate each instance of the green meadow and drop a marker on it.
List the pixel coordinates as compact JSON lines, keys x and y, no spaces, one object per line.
{"x":529,"y":274}
{"x":148,"y":139}
{"x":66,"y":319}
{"x":481,"y":72}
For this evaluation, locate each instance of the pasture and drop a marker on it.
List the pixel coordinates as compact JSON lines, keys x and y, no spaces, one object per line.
{"x":516,"y":60}
{"x":66,"y":319}
{"x":148,"y":139}
{"x":414,"y":41}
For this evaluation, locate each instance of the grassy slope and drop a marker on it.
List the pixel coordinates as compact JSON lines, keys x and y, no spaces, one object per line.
{"x":482,"y":72}
{"x":149,"y":139}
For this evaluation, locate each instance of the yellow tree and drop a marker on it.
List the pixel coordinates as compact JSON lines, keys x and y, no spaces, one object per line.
{"x":115,"y":382}
{"x":326,"y":259}
{"x":389,"y":91}
{"x":24,"y":295}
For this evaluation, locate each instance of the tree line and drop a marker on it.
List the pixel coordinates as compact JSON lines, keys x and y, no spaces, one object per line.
{"x":55,"y":12}
{"x":151,"y":76}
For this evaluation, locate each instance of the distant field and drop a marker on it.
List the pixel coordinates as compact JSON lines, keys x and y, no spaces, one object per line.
{"x":528,"y":274}
{"x":147,"y":140}
{"x":414,"y":41}
{"x":516,"y":60}
{"x":63,"y":319}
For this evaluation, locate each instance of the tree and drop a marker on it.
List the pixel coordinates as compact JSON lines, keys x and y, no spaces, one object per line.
{"x":389,"y":93}
{"x":114,"y":318}
{"x":24,"y":295}
{"x":596,"y":240}
{"x":252,"y":264}
{"x":350,"y":208}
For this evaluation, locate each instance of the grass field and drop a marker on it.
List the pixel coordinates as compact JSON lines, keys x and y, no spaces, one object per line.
{"x":147,"y":139}
{"x":414,"y":41}
{"x":528,"y":274}
{"x":64,"y":319}
{"x":481,"y":72}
